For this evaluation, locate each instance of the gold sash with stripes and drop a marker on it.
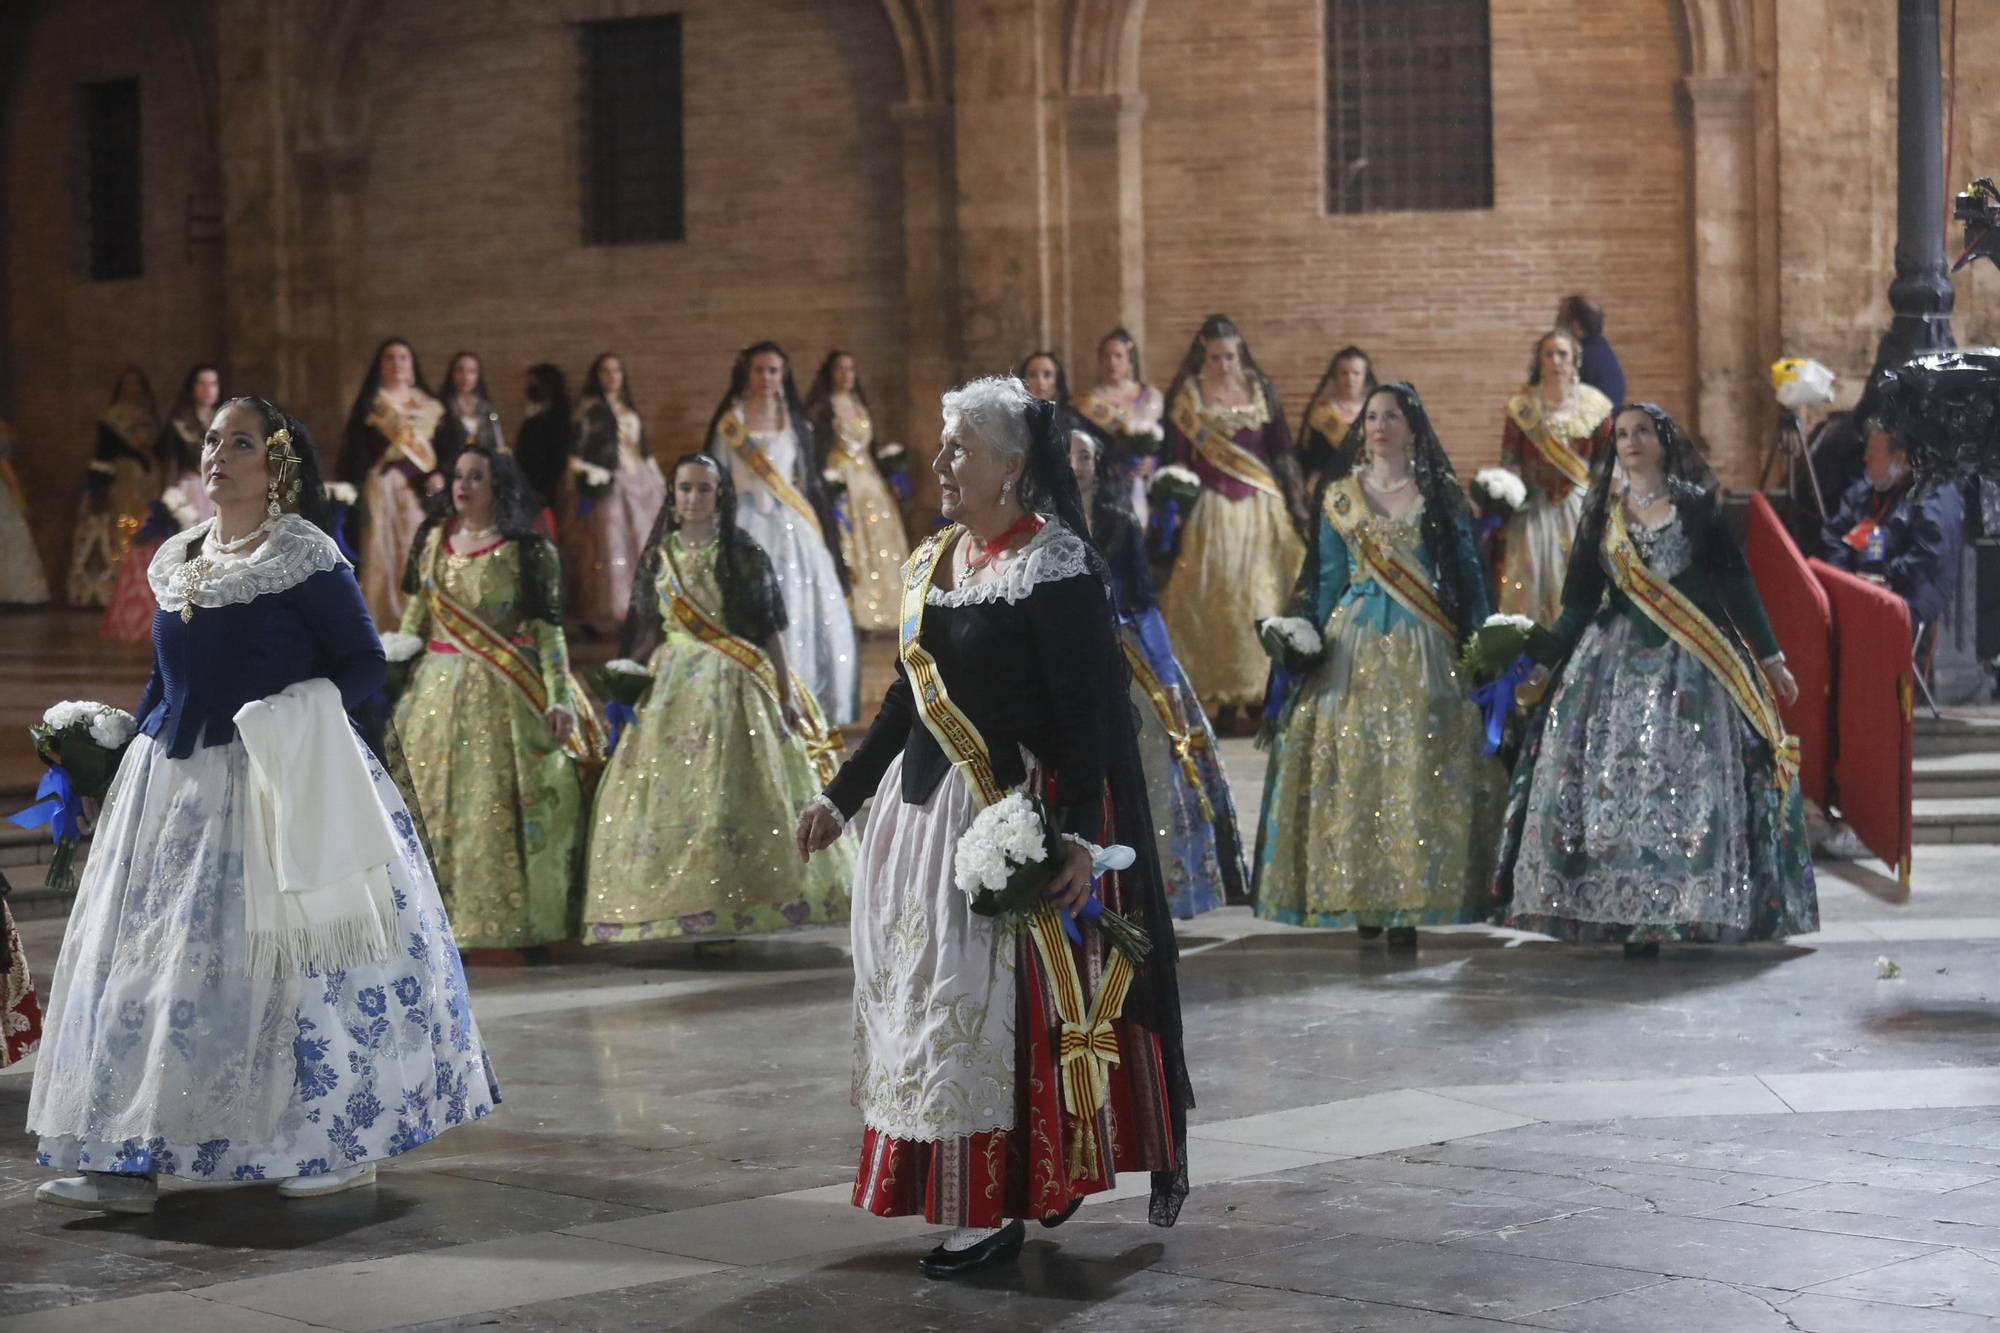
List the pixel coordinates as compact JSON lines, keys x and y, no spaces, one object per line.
{"x":1219,"y":449}
{"x":1325,"y":418}
{"x":1185,"y":740}
{"x":1524,"y":409}
{"x":731,"y":432}
{"x":1400,"y":575}
{"x":1088,"y":1042}
{"x":465,"y":630}
{"x":822,"y":747}
{"x":1683,"y":622}
{"x":403,"y":437}
{"x":1113,"y":417}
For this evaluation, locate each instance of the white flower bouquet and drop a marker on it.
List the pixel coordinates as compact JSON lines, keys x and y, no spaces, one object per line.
{"x":834,"y":482}
{"x":892,"y":458}
{"x":1495,"y":645}
{"x":179,"y":508}
{"x":1176,"y":483}
{"x":343,"y":493}
{"x":1144,"y":442}
{"x":83,"y":744}
{"x":593,"y":483}
{"x":402,"y":650}
{"x":1013,"y":851}
{"x":1291,"y":641}
{"x":1498,"y":491}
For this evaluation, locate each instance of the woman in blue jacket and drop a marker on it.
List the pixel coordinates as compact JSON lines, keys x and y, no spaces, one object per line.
{"x":171,"y":1045}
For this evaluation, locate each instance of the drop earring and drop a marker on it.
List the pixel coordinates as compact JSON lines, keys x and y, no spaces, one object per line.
{"x":272,"y":508}
{"x":1006,"y":489}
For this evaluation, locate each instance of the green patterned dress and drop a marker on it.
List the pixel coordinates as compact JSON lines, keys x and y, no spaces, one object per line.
{"x":500,"y":797}
{"x":692,"y":833}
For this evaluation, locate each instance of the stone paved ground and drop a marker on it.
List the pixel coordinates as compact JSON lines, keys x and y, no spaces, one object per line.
{"x":1495,"y":1134}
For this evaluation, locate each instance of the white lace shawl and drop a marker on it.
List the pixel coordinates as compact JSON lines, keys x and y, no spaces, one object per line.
{"x":1054,"y":553}
{"x":293,"y":553}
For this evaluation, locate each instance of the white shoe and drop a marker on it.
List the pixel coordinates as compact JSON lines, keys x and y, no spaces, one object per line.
{"x":102,"y":1191}
{"x":327,"y":1182}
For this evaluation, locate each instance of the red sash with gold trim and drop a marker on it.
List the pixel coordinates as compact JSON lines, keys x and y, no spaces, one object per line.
{"x":731,"y":432}
{"x":1683,"y":622}
{"x":1405,"y":580}
{"x":1525,"y":411}
{"x":822,"y":747}
{"x":1219,"y":450}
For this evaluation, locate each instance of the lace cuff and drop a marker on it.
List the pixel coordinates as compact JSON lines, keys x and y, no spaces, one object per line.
{"x":825,"y":802}
{"x":1775,"y":659}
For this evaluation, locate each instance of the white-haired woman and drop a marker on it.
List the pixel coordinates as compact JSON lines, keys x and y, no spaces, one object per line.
{"x":1008,"y":629}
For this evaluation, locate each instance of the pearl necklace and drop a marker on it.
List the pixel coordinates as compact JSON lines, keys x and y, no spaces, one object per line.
{"x":221,"y":547}
{"x":1389,"y":488}
{"x":481,"y":534}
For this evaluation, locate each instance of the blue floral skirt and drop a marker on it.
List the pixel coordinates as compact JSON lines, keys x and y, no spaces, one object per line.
{"x":1201,"y":859}
{"x":163,"y":1053}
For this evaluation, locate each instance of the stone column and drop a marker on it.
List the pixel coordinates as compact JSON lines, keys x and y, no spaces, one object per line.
{"x":1732,"y":411}
{"x":260,"y":193}
{"x":930,"y":301}
{"x":1106,"y":226}
{"x":1001,"y":140}
{"x":1922,"y":293}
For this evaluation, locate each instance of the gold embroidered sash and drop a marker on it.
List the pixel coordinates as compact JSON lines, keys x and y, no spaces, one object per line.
{"x":1113,"y":417}
{"x":822,"y":747}
{"x":1400,"y":575}
{"x":1325,"y":418}
{"x":1683,"y":622}
{"x":1524,"y":409}
{"x":465,"y":630}
{"x":403,"y":437}
{"x":1185,"y":740}
{"x":1089,"y":1043}
{"x":1219,"y":449}
{"x":731,"y":432}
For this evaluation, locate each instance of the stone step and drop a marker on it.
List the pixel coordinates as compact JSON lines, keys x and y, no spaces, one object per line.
{"x":1954,"y":733}
{"x":1973,"y":773}
{"x":1956,"y":819}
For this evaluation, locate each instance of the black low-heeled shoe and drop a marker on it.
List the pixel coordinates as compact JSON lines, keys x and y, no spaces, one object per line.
{"x":1368,"y":932}
{"x":1002,"y":1247}
{"x":1402,"y":937}
{"x":1065,"y":1215}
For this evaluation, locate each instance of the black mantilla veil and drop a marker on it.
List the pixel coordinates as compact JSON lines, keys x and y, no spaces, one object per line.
{"x":449,"y":392}
{"x":1316,"y":452}
{"x":1445,"y":505}
{"x":810,"y":483}
{"x":1154,"y":1001}
{"x":1122,"y":335}
{"x":819,"y":400}
{"x":753,"y":605}
{"x":176,"y":457}
{"x":1062,"y":375}
{"x":514,"y":513}
{"x":1687,"y":474}
{"x":356,"y":468}
{"x":1281,"y":459}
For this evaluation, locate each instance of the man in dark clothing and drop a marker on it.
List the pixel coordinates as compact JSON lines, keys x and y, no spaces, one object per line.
{"x":1889,"y":536}
{"x":1600,"y":368}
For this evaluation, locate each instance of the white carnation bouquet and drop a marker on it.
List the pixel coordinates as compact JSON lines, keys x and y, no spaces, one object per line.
{"x":1495,"y":645}
{"x":83,"y":744}
{"x":1291,"y":641}
{"x":1174,"y":482}
{"x":402,"y":650}
{"x":1499,"y":491}
{"x":1013,"y":851}
{"x":343,"y":493}
{"x":1144,"y":441}
{"x":593,"y":483}
{"x":179,"y":508}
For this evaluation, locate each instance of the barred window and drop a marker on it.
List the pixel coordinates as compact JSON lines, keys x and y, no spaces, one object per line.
{"x":1409,"y":105}
{"x":633,"y":177}
{"x":108,"y":217}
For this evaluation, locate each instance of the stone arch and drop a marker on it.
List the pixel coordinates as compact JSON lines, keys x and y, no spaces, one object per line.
{"x":1101,"y":47}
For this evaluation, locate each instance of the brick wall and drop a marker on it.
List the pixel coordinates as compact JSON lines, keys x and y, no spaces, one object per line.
{"x":1588,"y":196}
{"x":70,"y":337}
{"x":794,"y":220}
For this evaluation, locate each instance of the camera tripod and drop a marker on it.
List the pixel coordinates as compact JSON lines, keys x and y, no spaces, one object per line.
{"x":1791,"y":442}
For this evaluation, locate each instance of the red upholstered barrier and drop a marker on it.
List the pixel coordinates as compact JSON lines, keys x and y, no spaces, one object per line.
{"x":1871,"y":713}
{"x":1802,"y":616}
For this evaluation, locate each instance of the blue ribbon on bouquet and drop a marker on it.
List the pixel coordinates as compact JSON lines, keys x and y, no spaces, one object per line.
{"x":1496,"y":699}
{"x":1167,"y":522}
{"x":1488,"y":525}
{"x":56,"y":805}
{"x":617,"y":716}
{"x":840,"y":514}
{"x":341,"y":513}
{"x":1277,"y":691}
{"x":1115,"y":857}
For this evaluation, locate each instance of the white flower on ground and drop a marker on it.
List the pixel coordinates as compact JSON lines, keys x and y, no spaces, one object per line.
{"x":112,"y":727}
{"x":343,"y":493}
{"x":400,"y":647}
{"x":1503,"y":485}
{"x":625,"y":666}
{"x":1886,"y":969}
{"x":1297,"y":632}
